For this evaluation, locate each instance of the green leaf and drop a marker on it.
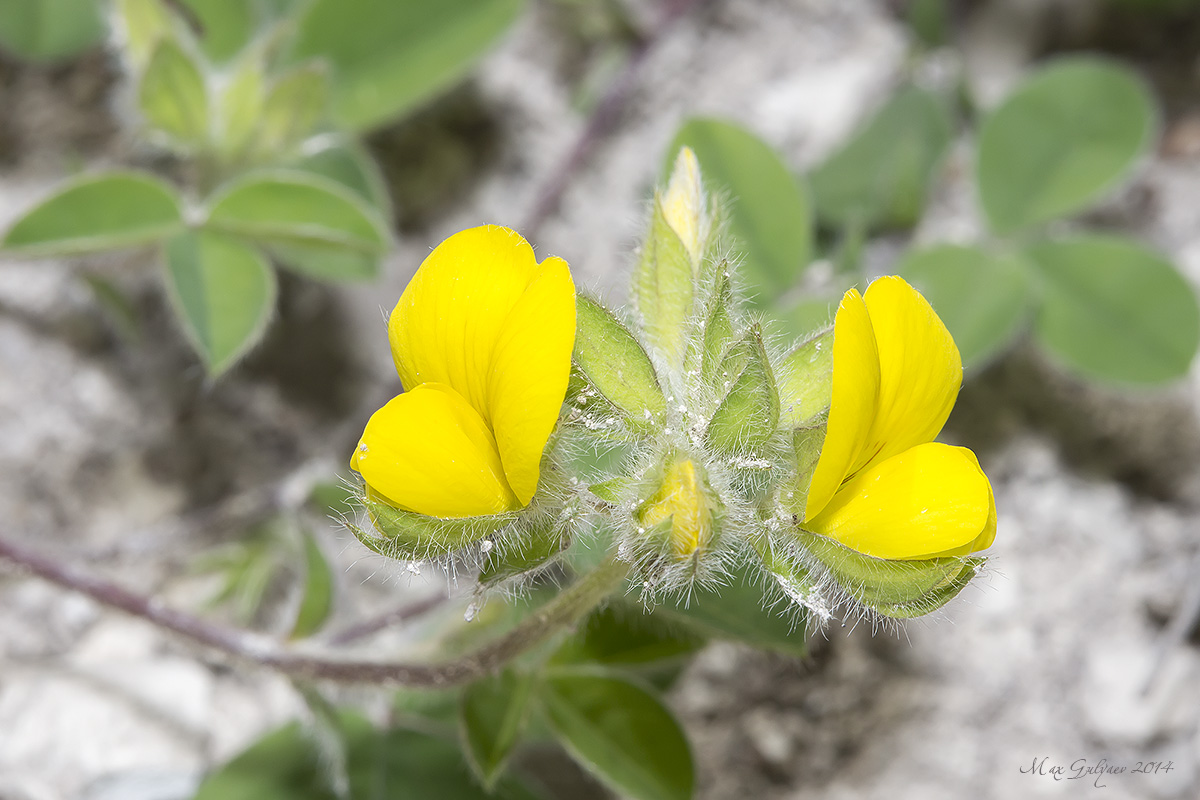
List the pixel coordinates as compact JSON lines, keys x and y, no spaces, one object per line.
{"x":616,"y":364}
{"x":317,"y":600}
{"x":770,"y":214}
{"x":492,"y":714}
{"x":223,"y":291}
{"x":309,"y":223}
{"x":390,"y":56}
{"x":295,"y":104}
{"x":106,"y":211}
{"x":881,"y":177}
{"x":743,"y":611}
{"x":1115,"y":310}
{"x":49,"y":30}
{"x":140,"y":24}
{"x":285,"y":765}
{"x":351,"y":165}
{"x":226,"y":25}
{"x":622,"y":734}
{"x":1061,"y":140}
{"x":172,"y":95}
{"x":985,"y":299}
{"x":240,"y":106}
{"x":626,"y":635}
{"x":749,"y":414}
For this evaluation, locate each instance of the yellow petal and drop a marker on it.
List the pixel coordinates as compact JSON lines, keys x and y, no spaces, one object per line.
{"x":931,"y":500}
{"x":919,"y":366}
{"x":428,"y":451}
{"x":855,"y":398}
{"x":449,"y":318}
{"x":529,"y":372}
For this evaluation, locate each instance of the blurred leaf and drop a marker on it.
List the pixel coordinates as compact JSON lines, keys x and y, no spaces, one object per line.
{"x":295,"y":103}
{"x":223,"y":291}
{"x":622,"y":734}
{"x":284,"y":765}
{"x":808,"y":316}
{"x":492,"y":714}
{"x":310,"y":223}
{"x":98,"y":212}
{"x":984,"y":299}
{"x":241,"y":106}
{"x":1061,"y":140}
{"x":1113,"y":309}
{"x":226,"y":26}
{"x":116,"y":305}
{"x":418,"y":707}
{"x":140,"y":24}
{"x":172,"y":94}
{"x":390,"y":56}
{"x":929,"y":21}
{"x":881,"y":177}
{"x":50,"y":30}
{"x":742,"y":611}
{"x":317,"y":600}
{"x":625,"y":635}
{"x":247,"y":568}
{"x":770,"y":214}
{"x":351,"y":165}
{"x":334,"y":499}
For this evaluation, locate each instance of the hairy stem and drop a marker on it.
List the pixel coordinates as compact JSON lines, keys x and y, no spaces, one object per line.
{"x":540,"y":626}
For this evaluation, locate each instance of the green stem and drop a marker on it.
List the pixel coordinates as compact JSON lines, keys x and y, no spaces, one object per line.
{"x":543,"y":624}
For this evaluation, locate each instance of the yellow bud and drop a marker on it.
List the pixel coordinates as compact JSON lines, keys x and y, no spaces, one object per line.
{"x":684,"y":205}
{"x":682,"y":499}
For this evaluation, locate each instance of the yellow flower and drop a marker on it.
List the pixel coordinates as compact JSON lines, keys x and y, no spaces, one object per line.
{"x":882,"y":486}
{"x":482,"y":339}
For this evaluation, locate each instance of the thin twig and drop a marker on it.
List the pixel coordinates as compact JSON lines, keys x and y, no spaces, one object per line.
{"x":361,"y":630}
{"x":1183,"y":622}
{"x":603,"y":119}
{"x":561,"y":612}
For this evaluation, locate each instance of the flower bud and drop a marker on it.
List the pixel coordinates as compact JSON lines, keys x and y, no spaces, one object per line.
{"x":668,"y":273}
{"x":685,"y":206}
{"x":683,"y":509}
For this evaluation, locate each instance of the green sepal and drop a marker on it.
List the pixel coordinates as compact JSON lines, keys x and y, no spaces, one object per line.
{"x":749,"y":415}
{"x":416,"y":537}
{"x":806,"y":380}
{"x":614,"y":362}
{"x":610,"y":491}
{"x":795,"y":580}
{"x":893,"y":588}
{"x":718,"y":327}
{"x":664,"y":287}
{"x":806,"y":452}
{"x":519,"y":553}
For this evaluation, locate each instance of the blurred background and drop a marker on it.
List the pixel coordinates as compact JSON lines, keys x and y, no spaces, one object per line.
{"x":137,"y":441}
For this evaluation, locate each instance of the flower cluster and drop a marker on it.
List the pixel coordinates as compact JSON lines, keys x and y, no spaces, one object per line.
{"x":815,"y":466}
